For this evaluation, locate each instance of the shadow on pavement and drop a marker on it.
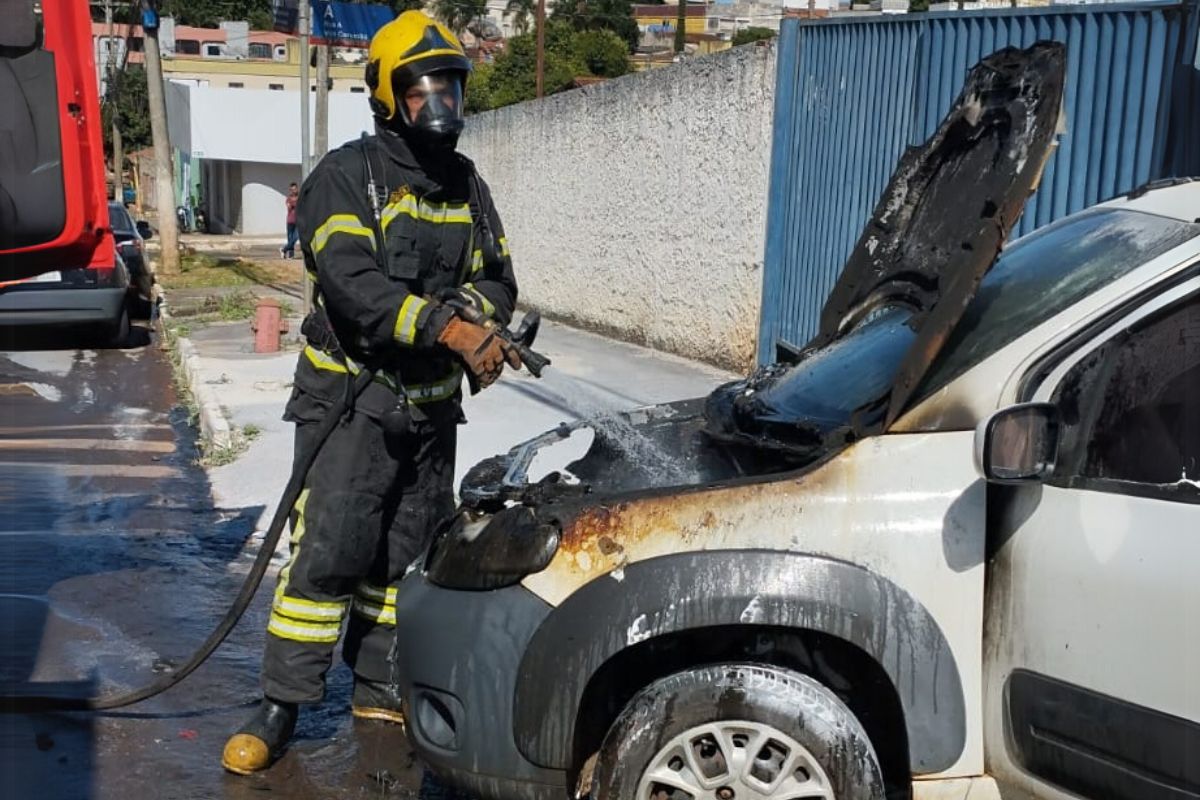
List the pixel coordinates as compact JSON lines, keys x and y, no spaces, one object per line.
{"x":73,"y":338}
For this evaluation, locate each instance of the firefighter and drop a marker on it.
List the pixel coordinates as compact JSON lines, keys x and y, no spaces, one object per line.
{"x":392,"y":227}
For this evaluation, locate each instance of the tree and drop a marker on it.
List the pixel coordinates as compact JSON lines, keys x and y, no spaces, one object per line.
{"x":479,"y":89}
{"x":458,"y":13}
{"x":512,"y":77}
{"x":595,"y":15}
{"x":602,"y":52}
{"x":521,"y":11}
{"x":400,"y":6}
{"x":128,"y":103}
{"x":211,"y":13}
{"x":753,"y":34}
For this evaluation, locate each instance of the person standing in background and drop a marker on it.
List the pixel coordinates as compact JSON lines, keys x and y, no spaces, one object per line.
{"x":289,"y":250}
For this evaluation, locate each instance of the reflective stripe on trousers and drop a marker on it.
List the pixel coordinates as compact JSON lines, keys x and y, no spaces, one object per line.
{"x":296,"y":618}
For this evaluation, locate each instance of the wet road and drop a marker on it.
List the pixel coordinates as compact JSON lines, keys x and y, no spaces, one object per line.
{"x":114,"y":565}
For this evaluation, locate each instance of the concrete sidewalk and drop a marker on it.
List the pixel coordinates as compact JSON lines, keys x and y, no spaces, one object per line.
{"x":230,"y":242}
{"x":248,"y":391}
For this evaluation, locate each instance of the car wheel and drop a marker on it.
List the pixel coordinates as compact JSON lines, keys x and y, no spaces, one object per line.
{"x":140,"y":307}
{"x":118,"y":333}
{"x":736,"y":732}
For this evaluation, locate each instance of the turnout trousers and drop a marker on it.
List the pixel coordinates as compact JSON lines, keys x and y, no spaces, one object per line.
{"x":370,"y":506}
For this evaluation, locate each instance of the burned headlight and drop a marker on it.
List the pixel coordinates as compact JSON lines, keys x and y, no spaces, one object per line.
{"x":490,"y":552}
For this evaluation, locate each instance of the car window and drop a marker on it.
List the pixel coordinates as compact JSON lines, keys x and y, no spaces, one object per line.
{"x":119,"y":219}
{"x":1044,"y":273}
{"x":1131,"y":408}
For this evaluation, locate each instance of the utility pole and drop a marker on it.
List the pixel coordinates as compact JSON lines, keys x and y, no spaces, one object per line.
{"x":164,"y":180}
{"x":680,"y":26}
{"x":321,"y":145}
{"x":541,"y":47}
{"x":305,"y":30}
{"x":305,"y":140}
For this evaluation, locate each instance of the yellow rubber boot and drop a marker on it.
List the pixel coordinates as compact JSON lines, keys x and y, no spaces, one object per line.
{"x":377,"y":701}
{"x":261,"y":740}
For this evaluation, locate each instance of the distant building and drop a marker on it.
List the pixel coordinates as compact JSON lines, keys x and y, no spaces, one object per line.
{"x":238,"y":149}
{"x":661,"y":20}
{"x":231,"y":56}
{"x":731,"y":17}
{"x":233,"y":108}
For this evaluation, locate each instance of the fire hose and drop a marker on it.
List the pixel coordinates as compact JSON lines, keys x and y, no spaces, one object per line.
{"x":28,"y":698}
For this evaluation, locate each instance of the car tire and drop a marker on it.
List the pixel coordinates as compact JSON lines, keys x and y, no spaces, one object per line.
{"x":751,"y":731}
{"x":140,"y":307}
{"x":118,"y":332}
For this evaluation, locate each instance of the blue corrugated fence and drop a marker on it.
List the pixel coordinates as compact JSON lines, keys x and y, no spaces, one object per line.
{"x":852,"y":94}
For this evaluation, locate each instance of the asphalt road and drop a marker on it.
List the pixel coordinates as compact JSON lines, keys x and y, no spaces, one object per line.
{"x":114,"y":565}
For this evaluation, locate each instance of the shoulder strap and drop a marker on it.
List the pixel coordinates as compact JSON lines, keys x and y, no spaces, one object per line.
{"x":487,"y":240}
{"x":373,"y":203}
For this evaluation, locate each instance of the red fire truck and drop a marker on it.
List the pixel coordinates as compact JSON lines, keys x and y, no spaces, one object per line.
{"x":58,"y":262}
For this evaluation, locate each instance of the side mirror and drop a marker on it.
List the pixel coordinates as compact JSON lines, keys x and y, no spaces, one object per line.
{"x":143,"y":229}
{"x":1018,"y":444}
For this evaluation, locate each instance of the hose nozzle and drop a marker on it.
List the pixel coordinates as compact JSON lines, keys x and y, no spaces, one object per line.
{"x":521,"y":342}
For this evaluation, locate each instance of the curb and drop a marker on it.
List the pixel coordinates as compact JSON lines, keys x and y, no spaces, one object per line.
{"x":214,"y":424}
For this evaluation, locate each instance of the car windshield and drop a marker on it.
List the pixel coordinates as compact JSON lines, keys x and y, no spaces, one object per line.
{"x":853,"y":371}
{"x":1045,"y":273}
{"x":119,"y":219}
{"x":792,"y":409}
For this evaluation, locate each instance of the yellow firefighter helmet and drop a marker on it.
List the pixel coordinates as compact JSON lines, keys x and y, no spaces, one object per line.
{"x":407,"y":49}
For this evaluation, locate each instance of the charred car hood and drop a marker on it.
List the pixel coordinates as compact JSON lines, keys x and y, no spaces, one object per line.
{"x":935,"y":232}
{"x":643,"y":449}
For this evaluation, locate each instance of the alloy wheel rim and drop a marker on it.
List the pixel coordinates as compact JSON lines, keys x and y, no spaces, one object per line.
{"x":734,"y":760}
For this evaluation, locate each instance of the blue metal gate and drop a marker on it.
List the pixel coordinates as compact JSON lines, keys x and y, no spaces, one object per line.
{"x":852,"y":94}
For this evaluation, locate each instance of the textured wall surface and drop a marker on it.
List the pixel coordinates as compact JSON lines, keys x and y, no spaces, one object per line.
{"x":637,"y":207}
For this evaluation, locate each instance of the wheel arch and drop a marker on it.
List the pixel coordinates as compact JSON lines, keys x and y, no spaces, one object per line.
{"x":785,"y":606}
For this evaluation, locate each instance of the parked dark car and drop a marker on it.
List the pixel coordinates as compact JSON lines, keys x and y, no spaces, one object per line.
{"x":91,"y":299}
{"x":131,"y":244}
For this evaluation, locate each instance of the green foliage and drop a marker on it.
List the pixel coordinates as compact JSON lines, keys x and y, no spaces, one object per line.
{"x":210,"y":13}
{"x":753,"y":34}
{"x":602,"y":52}
{"x":599,"y":15}
{"x":479,"y":89}
{"x":918,"y":5}
{"x":458,"y":13}
{"x":400,"y":6}
{"x":129,"y":102}
{"x":512,"y":77}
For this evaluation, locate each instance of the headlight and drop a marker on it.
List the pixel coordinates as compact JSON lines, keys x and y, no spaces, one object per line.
{"x":482,"y":552}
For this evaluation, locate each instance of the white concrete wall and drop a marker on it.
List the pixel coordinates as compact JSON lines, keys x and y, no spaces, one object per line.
{"x":253,"y":124}
{"x":264,"y":195}
{"x":638,"y":207}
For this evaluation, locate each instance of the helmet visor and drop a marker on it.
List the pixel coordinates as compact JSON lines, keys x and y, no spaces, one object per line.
{"x":433,"y":103}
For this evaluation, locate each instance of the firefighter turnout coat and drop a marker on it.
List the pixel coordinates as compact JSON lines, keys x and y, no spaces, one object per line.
{"x":439,"y":230}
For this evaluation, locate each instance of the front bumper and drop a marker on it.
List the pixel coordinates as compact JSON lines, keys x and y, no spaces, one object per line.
{"x":457,"y":658}
{"x":83,"y":306}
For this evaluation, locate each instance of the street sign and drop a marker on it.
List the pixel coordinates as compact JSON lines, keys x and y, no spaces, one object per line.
{"x":347,"y":24}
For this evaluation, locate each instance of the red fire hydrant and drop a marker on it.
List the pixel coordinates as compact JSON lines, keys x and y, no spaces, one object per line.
{"x":268,"y":325}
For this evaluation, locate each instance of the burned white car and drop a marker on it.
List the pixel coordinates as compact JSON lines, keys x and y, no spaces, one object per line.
{"x":947,"y":548}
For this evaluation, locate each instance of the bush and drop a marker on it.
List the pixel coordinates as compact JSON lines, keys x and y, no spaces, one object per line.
{"x":752,"y":34}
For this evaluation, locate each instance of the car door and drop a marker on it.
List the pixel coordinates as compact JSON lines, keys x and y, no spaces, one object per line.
{"x":1092,"y":647}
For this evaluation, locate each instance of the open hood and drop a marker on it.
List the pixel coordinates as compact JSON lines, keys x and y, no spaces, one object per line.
{"x":937,"y":229}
